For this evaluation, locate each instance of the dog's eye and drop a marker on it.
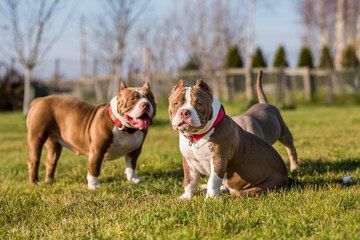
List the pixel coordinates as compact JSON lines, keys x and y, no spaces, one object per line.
{"x":198,"y":103}
{"x":131,"y":99}
{"x":175,"y":104}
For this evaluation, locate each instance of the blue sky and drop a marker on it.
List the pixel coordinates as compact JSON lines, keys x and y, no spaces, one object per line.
{"x":276,"y":22}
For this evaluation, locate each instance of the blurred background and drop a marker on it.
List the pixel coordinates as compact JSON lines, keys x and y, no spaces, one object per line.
{"x":308,"y":49}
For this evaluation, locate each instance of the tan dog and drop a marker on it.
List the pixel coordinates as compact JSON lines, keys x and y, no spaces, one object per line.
{"x":265,"y":121}
{"x":213,"y":144}
{"x":102,"y":132}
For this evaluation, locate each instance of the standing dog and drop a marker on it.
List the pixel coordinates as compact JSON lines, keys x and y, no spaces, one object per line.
{"x":265,"y":121}
{"x":213,"y":144}
{"x":102,"y":132}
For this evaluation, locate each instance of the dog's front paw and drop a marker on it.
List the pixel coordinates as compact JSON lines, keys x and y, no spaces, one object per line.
{"x":137,"y":179}
{"x":132,"y":176}
{"x":93,"y":182}
{"x":186,"y":196}
{"x":93,"y":186}
{"x":212,"y":195}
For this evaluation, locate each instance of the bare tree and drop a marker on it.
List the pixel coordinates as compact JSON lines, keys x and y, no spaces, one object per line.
{"x":111,"y":31}
{"x":206,"y":34}
{"x":357,"y":38}
{"x":340,"y":33}
{"x":30,"y":34}
{"x":250,"y":51}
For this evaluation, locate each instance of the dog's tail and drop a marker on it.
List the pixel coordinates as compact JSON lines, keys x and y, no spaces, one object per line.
{"x":260,"y":92}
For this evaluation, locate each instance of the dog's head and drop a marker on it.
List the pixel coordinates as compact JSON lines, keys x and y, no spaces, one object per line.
{"x":136,"y":106}
{"x":190,"y":107}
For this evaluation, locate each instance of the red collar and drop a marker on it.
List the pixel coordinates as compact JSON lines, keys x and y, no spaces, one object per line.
{"x":116,"y":120}
{"x":197,"y":137}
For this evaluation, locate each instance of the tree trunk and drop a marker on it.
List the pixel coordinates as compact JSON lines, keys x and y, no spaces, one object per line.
{"x":357,"y":35}
{"x":340,"y":34}
{"x":324,"y":41}
{"x":26,"y":102}
{"x":249,"y":91}
{"x":116,"y":86}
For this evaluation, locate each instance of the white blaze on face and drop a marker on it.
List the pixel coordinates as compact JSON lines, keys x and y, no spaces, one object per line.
{"x":194,"y":119}
{"x":137,"y":112}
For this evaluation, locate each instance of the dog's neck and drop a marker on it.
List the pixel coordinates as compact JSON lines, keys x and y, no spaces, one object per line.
{"x":113,"y":106}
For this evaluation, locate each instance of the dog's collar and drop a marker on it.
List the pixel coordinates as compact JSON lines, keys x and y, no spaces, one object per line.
{"x":119,"y":124}
{"x":196,"y":137}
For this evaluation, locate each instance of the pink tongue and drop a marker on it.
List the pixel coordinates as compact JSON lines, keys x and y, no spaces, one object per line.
{"x":141,"y":123}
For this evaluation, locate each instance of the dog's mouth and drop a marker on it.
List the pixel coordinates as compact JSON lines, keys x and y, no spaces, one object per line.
{"x":182,"y":126}
{"x":142,"y":122}
{"x":185,"y":126}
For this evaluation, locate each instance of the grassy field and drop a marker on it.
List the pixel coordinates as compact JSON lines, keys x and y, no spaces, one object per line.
{"x":327,"y":141}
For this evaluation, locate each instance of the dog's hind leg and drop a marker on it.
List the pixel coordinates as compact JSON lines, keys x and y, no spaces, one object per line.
{"x":53,"y":148}
{"x":288,"y":142}
{"x":248,"y":192}
{"x":35,"y":144}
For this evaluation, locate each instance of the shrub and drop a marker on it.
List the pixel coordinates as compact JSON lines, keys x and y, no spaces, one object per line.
{"x":280,"y":58}
{"x":233,"y":58}
{"x":349,"y":59}
{"x":193,"y":63}
{"x":326,"y":60}
{"x":258,"y":60}
{"x":305,"y":58}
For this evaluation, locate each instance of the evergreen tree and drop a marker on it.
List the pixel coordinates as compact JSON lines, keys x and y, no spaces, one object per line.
{"x":258,"y":60}
{"x":280,"y":58}
{"x":192,"y":64}
{"x":305,"y":58}
{"x":326,"y":60}
{"x":349,"y":59}
{"x":233,"y":59}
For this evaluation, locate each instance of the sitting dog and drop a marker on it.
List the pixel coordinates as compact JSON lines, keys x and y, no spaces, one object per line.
{"x":212,"y":143}
{"x":265,"y":121}
{"x":102,"y":132}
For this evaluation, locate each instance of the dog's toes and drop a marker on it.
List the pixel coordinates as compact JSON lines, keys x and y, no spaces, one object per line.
{"x":186,"y":196}
{"x":203,"y":188}
{"x":212,"y":196}
{"x":93,"y":186}
{"x":224,"y":189}
{"x":137,"y":180}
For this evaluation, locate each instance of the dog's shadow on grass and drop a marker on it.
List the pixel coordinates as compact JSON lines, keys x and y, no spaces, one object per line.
{"x":177,"y":174}
{"x":311,"y":168}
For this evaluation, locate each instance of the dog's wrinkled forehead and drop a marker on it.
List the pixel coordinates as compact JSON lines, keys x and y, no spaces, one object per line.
{"x":128,"y":97}
{"x":198,"y":96}
{"x":129,"y":93}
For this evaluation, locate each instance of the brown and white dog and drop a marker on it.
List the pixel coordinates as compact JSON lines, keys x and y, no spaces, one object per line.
{"x":102,"y":132}
{"x":213,"y":144}
{"x":265,"y":121}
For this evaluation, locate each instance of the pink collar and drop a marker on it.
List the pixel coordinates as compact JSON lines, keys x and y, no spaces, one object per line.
{"x":197,"y":137}
{"x":116,"y":120}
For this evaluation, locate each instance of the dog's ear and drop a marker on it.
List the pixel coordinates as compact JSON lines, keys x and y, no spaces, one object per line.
{"x":122,"y":86}
{"x":146,"y":85}
{"x":179,"y":84}
{"x":201,"y":84}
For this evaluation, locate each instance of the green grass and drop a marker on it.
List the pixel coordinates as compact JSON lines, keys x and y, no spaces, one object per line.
{"x":327,"y":140}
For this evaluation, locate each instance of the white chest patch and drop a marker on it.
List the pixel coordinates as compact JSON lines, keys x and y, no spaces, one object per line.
{"x":124,"y":142}
{"x":198,"y":155}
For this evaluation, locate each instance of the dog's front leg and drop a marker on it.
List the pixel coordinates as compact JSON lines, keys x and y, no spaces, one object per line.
{"x":217,"y":171}
{"x":94,"y":166}
{"x":191,"y":180}
{"x":130,"y":165}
